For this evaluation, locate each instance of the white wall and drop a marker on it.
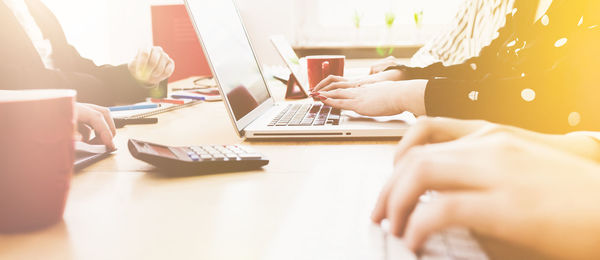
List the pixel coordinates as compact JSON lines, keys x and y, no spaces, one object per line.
{"x":111,"y":31}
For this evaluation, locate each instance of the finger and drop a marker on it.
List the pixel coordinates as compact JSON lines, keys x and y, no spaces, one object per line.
{"x":435,"y":130}
{"x":383,"y":65}
{"x":340,"y":103}
{"x":170,"y":68}
{"x":158,"y":74}
{"x":84,"y":132}
{"x":339,"y":94}
{"x":418,"y":134}
{"x":330,"y":79}
{"x":377,"y":68}
{"x":141,"y":61}
{"x":373,"y":70}
{"x":153,"y":62}
{"x":449,"y":210}
{"x":107,"y":117}
{"x":379,"y":212}
{"x":446,"y":166}
{"x":338,"y":85}
{"x":97,"y":121}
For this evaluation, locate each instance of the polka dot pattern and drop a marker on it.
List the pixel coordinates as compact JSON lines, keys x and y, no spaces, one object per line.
{"x":474,"y":95}
{"x":574,"y":119}
{"x":561,"y":42}
{"x":528,"y":94}
{"x":545,"y":20}
{"x":521,"y":62}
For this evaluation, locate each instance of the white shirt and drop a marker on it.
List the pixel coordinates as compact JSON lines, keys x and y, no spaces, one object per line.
{"x":43,"y":46}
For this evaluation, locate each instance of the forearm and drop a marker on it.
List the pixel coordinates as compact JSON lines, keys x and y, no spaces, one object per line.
{"x":411,"y":97}
{"x":389,"y":75}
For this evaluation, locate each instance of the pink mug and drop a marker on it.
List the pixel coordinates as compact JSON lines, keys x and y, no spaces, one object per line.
{"x":36,"y":157}
{"x":320,"y":67}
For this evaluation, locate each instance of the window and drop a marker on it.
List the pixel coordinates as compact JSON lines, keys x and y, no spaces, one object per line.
{"x":334,"y":21}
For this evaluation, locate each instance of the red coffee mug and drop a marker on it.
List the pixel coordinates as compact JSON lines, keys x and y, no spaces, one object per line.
{"x":36,"y":157}
{"x":320,"y":67}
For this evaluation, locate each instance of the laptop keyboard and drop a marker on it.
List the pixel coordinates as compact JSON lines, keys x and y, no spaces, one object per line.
{"x":315,"y":114}
{"x":453,"y":243}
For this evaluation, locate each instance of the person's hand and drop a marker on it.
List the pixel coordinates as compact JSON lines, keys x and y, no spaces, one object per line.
{"x":429,"y":130}
{"x":333,"y":82}
{"x":498,"y":186}
{"x":151,"y":66}
{"x":382,"y":65}
{"x":98,"y":119}
{"x":380,"y":99}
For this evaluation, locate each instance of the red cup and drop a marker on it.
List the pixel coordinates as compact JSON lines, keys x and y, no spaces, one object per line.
{"x":320,"y":67}
{"x":36,"y":157}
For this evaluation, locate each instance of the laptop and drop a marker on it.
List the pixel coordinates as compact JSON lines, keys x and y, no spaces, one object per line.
{"x":250,"y":105}
{"x":292,"y":61}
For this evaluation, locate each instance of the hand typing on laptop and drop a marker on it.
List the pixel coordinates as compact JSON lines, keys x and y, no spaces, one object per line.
{"x":333,"y":82}
{"x":379,"y":99}
{"x":490,"y":179}
{"x":98,"y":119}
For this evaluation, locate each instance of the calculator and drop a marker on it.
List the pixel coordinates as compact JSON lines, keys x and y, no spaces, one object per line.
{"x":203,"y":159}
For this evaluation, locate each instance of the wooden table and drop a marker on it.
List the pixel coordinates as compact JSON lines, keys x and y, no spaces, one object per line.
{"x":311,"y":202}
{"x":311,"y":192}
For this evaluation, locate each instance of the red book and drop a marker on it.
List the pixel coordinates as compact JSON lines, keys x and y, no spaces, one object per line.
{"x":172,"y":30}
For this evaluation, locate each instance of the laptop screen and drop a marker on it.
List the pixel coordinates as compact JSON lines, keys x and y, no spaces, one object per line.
{"x":230,"y":54}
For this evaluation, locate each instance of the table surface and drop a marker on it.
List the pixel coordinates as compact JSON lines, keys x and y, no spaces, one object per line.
{"x":122,"y":208}
{"x":311,"y":202}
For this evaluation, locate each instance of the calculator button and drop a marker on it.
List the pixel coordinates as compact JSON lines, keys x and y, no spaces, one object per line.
{"x":196,"y":149}
{"x":219,"y":157}
{"x":248,"y":150}
{"x":250,"y":156}
{"x":231,"y":156}
{"x":194,"y":158}
{"x":205,"y":157}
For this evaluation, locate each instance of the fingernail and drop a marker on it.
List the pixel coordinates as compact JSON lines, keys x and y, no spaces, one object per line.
{"x":323,"y":98}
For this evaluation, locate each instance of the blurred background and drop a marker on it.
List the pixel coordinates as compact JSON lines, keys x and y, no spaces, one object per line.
{"x":111,"y":31}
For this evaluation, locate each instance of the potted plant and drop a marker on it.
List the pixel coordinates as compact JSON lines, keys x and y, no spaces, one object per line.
{"x":356,"y":21}
{"x":388,"y":46}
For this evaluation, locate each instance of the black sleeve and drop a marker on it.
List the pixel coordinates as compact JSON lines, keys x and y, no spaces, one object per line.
{"x":544,"y":106}
{"x":104,"y":85}
{"x":116,"y":81}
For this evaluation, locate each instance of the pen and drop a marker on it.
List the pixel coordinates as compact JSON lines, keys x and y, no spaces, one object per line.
{"x":188,"y":97}
{"x":122,"y":122}
{"x":133,"y":107}
{"x":195,"y":88}
{"x":167,"y":101}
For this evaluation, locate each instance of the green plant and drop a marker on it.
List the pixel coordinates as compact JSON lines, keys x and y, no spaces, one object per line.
{"x":384,"y":51}
{"x":357,"y":19}
{"x":418,"y":16}
{"x":390,"y":18}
